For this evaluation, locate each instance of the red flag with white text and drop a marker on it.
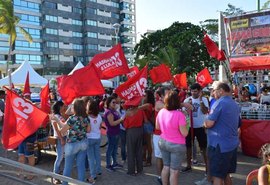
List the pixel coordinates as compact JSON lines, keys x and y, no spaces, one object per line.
{"x":160,"y":74}
{"x":22,"y":119}
{"x":204,"y":78}
{"x":134,"y":87}
{"x":83,"y":82}
{"x":212,"y":49}
{"x":132,"y":71}
{"x":111,"y":63}
{"x":180,"y":80}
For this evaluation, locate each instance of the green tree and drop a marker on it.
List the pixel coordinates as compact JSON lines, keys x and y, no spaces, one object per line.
{"x":8,"y":24}
{"x":266,"y":5}
{"x":180,"y":46}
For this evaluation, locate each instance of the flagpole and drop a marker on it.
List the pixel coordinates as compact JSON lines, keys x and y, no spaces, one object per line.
{"x":116,"y":27}
{"x":222,"y":74}
{"x":9,"y":79}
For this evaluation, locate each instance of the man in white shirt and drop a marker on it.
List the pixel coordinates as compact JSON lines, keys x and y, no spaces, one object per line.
{"x":200,"y":110}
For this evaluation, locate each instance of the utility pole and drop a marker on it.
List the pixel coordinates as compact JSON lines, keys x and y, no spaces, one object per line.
{"x":258,"y":5}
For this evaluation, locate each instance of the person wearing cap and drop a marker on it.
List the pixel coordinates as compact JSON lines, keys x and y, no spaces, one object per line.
{"x":222,"y":133}
{"x":133,"y":124}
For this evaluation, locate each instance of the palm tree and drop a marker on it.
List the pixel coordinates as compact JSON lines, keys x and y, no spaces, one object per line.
{"x":8,"y":24}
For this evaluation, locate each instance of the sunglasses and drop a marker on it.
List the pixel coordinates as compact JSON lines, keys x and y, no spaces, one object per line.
{"x":113,"y":102}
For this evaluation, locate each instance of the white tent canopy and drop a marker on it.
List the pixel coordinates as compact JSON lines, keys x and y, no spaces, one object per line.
{"x":105,"y":83}
{"x":78,"y":66}
{"x":18,"y":77}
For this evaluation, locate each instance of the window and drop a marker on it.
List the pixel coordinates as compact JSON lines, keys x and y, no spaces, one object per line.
{"x":77,"y":22}
{"x":52,"y":44}
{"x":50,"y":5}
{"x":92,"y":34}
{"x":115,"y":15}
{"x":93,"y":0}
{"x":92,"y":46}
{"x":51,"y":18}
{"x":33,"y":59}
{"x":77,"y":10}
{"x":77,"y":47}
{"x":35,"y":33}
{"x":53,"y":57}
{"x":92,"y":10}
{"x":24,"y":5}
{"x":91,"y":23}
{"x":24,"y":45}
{"x":51,"y":31}
{"x":76,"y":34}
{"x":29,"y":19}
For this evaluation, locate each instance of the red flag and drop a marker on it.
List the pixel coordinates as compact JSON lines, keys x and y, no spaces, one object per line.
{"x":204,"y":77}
{"x":44,"y":99}
{"x":83,"y":82}
{"x":134,"y":87}
{"x":212,"y":49}
{"x":111,"y":63}
{"x":132,"y":71}
{"x":160,"y":74}
{"x":45,"y":102}
{"x":21,"y":120}
{"x":180,"y":80}
{"x":26,"y":90}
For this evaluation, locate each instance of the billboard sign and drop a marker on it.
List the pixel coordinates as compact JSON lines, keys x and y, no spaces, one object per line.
{"x":248,"y":34}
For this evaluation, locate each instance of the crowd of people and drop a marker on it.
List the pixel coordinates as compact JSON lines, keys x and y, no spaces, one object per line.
{"x":164,"y":124}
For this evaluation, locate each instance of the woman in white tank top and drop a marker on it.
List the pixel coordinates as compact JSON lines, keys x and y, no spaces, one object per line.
{"x":93,"y":137}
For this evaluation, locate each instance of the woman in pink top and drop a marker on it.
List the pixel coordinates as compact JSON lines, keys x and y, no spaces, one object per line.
{"x":172,"y":124}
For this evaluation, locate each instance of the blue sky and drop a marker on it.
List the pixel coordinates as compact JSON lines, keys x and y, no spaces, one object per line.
{"x":160,"y":14}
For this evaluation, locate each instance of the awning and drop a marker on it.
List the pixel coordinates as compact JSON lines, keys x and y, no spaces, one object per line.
{"x":250,"y":63}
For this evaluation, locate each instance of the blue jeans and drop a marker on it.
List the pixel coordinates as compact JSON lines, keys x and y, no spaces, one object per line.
{"x":76,"y":150}
{"x":112,"y":150}
{"x":59,"y":156}
{"x":93,"y":154}
{"x":123,"y":144}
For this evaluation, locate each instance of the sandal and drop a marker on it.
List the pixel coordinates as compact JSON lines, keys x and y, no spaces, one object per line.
{"x":90,"y":180}
{"x":56,"y":181}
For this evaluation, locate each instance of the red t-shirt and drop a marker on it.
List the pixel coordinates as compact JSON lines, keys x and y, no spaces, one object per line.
{"x":136,"y":120}
{"x":148,"y":112}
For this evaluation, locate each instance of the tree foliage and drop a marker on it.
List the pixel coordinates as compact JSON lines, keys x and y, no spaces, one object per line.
{"x":266,"y":5}
{"x":8,"y":24}
{"x":180,"y":46}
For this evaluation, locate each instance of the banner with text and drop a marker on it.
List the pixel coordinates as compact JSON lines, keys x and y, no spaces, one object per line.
{"x":134,"y":87}
{"x":248,"y":34}
{"x":111,"y":63}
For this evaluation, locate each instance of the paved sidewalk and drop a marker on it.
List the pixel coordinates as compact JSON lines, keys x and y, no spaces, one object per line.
{"x":245,"y":165}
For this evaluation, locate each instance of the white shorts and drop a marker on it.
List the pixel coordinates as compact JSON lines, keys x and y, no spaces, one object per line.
{"x":156,"y":147}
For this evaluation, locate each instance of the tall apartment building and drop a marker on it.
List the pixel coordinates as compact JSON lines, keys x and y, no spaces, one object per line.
{"x":67,"y":31}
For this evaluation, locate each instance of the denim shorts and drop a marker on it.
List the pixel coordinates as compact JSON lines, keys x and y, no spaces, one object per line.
{"x":27,"y":146}
{"x":221,"y":164}
{"x":172,"y":153}
{"x":148,"y":128}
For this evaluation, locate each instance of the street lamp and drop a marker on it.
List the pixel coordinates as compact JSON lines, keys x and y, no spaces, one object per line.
{"x":116,"y":27}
